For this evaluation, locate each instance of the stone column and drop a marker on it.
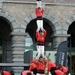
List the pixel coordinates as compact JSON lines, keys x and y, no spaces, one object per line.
{"x":18,"y":48}
{"x":1,"y":1}
{"x":56,"y":42}
{"x":57,"y":39}
{"x":0,"y":5}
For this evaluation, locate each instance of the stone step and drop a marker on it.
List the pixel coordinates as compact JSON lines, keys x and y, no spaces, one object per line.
{"x":18,"y":71}
{"x":17,"y":74}
{"x":18,"y":52}
{"x":18,"y":45}
{"x":18,"y":56}
{"x":18,"y":59}
{"x":17,"y":68}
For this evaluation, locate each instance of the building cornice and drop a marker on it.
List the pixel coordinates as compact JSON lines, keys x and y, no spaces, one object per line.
{"x":45,"y":3}
{"x":18,"y":34}
{"x":61,"y":35}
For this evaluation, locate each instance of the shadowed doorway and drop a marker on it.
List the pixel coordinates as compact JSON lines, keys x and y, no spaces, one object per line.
{"x":71,"y":45}
{"x":5,"y":41}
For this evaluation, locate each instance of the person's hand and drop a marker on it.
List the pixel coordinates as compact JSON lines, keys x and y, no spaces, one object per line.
{"x":30,"y":64}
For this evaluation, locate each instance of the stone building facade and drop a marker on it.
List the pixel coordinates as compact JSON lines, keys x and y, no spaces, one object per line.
{"x":18,"y":15}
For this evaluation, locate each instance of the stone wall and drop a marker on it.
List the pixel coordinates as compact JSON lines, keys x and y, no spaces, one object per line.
{"x":63,"y":15}
{"x":21,"y":10}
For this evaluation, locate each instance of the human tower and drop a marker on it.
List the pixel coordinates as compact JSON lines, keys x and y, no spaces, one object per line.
{"x":40,"y":32}
{"x":42,"y":65}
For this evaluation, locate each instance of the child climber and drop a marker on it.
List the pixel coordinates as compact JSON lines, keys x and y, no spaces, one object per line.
{"x":40,"y":37}
{"x":39,"y":20}
{"x":39,"y":13}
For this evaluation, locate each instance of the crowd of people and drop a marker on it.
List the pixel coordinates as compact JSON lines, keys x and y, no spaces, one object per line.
{"x":41,"y":66}
{"x":44,"y":66}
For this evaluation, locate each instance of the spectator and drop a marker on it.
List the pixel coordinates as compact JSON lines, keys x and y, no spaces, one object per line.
{"x":57,"y":72}
{"x":63,"y":69}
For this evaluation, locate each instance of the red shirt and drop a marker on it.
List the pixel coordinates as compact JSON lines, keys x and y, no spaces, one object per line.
{"x":25,"y":72}
{"x":32,"y":62}
{"x":64,"y":69}
{"x":41,"y":66}
{"x":6,"y":73}
{"x":32,"y":65}
{"x":59,"y":72}
{"x":41,"y":38}
{"x":39,"y":14}
{"x":50,"y":65}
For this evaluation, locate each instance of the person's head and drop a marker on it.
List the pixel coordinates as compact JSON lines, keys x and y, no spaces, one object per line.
{"x":60,"y":66}
{"x":12,"y":72}
{"x":29,"y":73}
{"x":40,"y":32}
{"x":39,"y":9}
{"x":35,"y":59}
{"x":41,"y":59}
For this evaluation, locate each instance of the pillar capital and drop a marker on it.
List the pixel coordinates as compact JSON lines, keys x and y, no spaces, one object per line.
{"x":0,"y":4}
{"x":18,"y":34}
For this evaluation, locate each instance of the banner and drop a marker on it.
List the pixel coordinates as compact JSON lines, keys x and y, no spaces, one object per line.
{"x":62,"y":53}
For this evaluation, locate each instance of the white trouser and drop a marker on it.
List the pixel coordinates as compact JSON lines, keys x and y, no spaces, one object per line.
{"x":40,"y":50}
{"x":42,"y":74}
{"x":50,"y":73}
{"x":39,"y":24}
{"x":39,"y":4}
{"x":39,"y":74}
{"x":69,"y":74}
